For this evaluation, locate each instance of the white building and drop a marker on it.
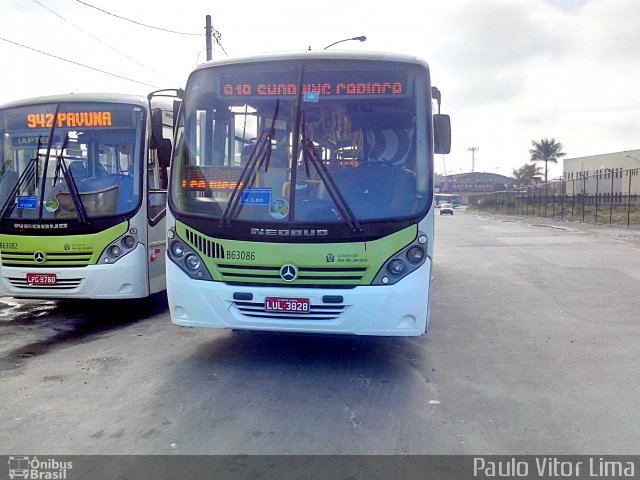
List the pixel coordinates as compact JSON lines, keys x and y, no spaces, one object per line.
{"x":610,"y":173}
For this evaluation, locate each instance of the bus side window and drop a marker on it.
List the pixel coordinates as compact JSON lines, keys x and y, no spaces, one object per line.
{"x":164,"y":161}
{"x":157,"y":178}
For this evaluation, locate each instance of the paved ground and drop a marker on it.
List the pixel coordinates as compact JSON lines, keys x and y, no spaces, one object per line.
{"x":532,"y":349}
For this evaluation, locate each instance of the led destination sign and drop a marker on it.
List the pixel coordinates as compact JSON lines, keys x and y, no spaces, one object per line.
{"x":210,"y":178}
{"x":77,"y":117}
{"x":374,"y":84}
{"x":70,"y":119}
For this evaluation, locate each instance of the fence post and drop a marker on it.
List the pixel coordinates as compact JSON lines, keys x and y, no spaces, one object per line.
{"x":597,"y":182}
{"x":611,"y":198}
{"x":573,"y":196}
{"x":563,"y":192}
{"x":629,"y":201}
{"x":584,"y":194}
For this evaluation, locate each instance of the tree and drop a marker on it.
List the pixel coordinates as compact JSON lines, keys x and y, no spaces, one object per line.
{"x":524,"y":176}
{"x":546,"y":151}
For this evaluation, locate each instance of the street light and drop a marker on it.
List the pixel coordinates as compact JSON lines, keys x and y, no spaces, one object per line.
{"x":360,"y":39}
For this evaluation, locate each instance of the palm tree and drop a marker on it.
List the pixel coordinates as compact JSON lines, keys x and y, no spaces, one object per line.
{"x":525,"y":174}
{"x":546,"y":151}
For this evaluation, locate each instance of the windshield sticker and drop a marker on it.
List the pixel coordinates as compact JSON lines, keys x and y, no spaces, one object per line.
{"x":256,"y":196}
{"x":32,"y":141}
{"x":51,"y":205}
{"x":279,"y":208}
{"x":29,"y":203}
{"x":313,"y":97}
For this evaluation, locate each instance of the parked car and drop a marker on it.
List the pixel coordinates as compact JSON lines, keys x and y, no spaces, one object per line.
{"x":446,"y":209}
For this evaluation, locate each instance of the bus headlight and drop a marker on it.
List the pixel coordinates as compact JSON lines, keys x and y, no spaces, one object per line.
{"x":192,"y":261}
{"x":401,"y":264}
{"x":415,"y":254}
{"x":178,"y":249}
{"x":187,"y":258}
{"x":128,"y":241}
{"x":119,"y":247}
{"x":396,"y":267}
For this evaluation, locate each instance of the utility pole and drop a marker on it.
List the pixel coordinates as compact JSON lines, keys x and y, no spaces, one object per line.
{"x":473,"y":157}
{"x":208,"y":33}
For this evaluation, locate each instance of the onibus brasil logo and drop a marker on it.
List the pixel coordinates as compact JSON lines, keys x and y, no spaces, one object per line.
{"x":34,"y":468}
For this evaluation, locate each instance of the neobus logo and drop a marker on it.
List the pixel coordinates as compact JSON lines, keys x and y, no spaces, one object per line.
{"x":40,"y":226}
{"x":290,"y":232}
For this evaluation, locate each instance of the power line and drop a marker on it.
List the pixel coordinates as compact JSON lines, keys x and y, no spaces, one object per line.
{"x":102,"y":42}
{"x":79,"y":64}
{"x":217,"y":36}
{"x":138,"y":23}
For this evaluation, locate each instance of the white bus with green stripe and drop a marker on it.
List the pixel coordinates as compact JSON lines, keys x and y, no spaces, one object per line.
{"x":83,"y":196}
{"x":301,"y":194}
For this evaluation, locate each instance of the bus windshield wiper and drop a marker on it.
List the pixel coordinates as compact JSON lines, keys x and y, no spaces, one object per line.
{"x":260,"y":155}
{"x":309,"y":155}
{"x":61,"y":166}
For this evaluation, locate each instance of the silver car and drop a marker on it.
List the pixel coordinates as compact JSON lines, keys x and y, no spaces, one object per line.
{"x":446,"y":209}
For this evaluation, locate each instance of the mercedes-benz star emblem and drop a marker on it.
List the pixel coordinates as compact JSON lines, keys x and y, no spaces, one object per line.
{"x":39,"y":256}
{"x":289,"y":272}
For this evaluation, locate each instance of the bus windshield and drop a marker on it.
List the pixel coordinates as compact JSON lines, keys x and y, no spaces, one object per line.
{"x":72,"y":161}
{"x":304,"y":142}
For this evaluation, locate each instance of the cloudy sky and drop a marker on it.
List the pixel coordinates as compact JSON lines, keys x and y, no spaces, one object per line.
{"x":510,"y":71}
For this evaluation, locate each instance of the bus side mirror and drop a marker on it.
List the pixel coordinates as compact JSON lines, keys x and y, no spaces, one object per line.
{"x":176,"y":110}
{"x":164,"y":153}
{"x":156,"y":128}
{"x":441,"y":133}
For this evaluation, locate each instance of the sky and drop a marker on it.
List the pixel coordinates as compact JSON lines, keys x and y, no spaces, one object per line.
{"x":510,"y":71}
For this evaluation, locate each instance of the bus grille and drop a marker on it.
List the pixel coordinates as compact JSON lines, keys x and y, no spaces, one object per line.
{"x":243,"y":274}
{"x":205,"y":246}
{"x":52,"y":259}
{"x":307,"y":276}
{"x":317,"y":312}
{"x":61,"y":284}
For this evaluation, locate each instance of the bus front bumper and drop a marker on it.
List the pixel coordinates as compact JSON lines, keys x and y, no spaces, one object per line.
{"x":394,"y":310}
{"x":124,"y":279}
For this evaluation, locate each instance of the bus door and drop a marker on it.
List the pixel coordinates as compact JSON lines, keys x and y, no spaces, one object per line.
{"x":158,"y":161}
{"x":156,"y":222}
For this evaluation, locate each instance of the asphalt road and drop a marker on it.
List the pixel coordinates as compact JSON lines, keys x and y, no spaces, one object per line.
{"x":533,"y":349}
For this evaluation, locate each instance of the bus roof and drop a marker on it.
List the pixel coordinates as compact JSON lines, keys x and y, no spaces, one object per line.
{"x":81,"y":97}
{"x":316,"y":54}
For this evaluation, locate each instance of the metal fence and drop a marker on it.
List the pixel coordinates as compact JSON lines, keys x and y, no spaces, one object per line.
{"x":607,"y":198}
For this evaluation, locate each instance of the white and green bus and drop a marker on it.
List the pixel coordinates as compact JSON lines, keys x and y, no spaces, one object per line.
{"x":301,"y":194}
{"x":83,"y":196}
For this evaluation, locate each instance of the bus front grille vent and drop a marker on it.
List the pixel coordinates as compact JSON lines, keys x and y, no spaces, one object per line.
{"x":307,"y":276}
{"x":61,"y":284}
{"x":317,"y":312}
{"x":204,"y":245}
{"x":51,"y":259}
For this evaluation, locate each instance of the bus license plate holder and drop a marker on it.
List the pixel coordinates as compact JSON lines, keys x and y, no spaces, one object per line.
{"x":42,"y":278}
{"x":287,"y":305}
